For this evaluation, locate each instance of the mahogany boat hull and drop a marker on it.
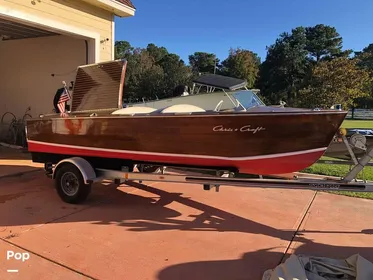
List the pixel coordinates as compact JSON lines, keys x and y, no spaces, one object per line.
{"x":255,"y":143}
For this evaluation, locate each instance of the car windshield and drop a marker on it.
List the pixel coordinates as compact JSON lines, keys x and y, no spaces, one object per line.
{"x":248,"y":99}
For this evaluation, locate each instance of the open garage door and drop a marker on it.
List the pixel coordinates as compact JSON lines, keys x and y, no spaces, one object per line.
{"x":34,"y":62}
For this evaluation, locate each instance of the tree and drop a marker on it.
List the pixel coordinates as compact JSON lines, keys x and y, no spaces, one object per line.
{"x":151,"y":72}
{"x":175,"y":72}
{"x":156,"y":52}
{"x":291,"y":58}
{"x":365,"y":61}
{"x":151,"y":83}
{"x":338,"y":81}
{"x":202,"y":62}
{"x":138,"y":64}
{"x":365,"y":58}
{"x":286,"y":65}
{"x":242,"y":64}
{"x":123,"y":49}
{"x":323,"y":41}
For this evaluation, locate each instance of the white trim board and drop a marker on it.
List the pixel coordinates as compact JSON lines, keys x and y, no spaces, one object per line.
{"x":112,"y":38}
{"x":113,"y":6}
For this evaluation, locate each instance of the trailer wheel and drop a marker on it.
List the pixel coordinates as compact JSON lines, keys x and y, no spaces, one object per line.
{"x":70,"y":184}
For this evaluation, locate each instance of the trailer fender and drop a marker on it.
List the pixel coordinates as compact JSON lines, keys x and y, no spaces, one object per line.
{"x":88,"y":173}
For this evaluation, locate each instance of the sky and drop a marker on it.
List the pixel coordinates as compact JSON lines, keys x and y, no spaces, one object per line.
{"x":187,"y":26}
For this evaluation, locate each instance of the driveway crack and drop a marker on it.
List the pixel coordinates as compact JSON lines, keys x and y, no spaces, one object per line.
{"x":303,"y":216}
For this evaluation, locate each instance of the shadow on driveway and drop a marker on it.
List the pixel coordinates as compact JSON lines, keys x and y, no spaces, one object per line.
{"x":249,"y":263}
{"x":219,"y":220}
{"x":15,"y":162}
{"x":151,"y":213}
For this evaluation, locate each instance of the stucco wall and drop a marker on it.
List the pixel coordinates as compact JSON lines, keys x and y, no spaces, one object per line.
{"x":26,"y":68}
{"x":72,"y":12}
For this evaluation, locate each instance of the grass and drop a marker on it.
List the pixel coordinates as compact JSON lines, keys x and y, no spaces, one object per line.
{"x":358,"y":124}
{"x":342,"y":170}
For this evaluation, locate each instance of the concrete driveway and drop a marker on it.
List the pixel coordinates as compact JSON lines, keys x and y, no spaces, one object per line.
{"x":171,"y":231}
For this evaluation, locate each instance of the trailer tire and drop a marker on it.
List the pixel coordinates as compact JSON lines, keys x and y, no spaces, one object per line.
{"x":70,"y":184}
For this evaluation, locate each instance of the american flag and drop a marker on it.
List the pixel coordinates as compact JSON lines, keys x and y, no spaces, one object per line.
{"x":65,"y":96}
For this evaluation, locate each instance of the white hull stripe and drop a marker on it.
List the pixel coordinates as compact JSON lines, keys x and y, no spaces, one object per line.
{"x":181,"y":155}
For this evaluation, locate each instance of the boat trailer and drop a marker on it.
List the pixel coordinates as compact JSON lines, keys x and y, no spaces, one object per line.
{"x":74,"y":176}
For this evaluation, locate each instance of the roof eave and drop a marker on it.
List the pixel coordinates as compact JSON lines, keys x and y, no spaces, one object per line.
{"x":115,"y":7}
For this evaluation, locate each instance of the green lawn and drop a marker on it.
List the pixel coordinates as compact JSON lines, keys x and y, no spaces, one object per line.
{"x":357,"y":124}
{"x":342,"y":170}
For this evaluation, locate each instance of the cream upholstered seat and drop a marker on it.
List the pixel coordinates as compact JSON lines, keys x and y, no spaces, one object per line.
{"x":183,"y":108}
{"x":134,"y":110}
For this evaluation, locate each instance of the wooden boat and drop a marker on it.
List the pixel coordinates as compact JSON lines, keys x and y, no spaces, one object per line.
{"x":251,"y":139}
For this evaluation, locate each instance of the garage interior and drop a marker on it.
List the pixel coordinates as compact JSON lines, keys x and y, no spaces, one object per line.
{"x":34,"y":63}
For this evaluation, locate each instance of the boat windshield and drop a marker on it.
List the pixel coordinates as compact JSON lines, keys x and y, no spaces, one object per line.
{"x":248,"y":99}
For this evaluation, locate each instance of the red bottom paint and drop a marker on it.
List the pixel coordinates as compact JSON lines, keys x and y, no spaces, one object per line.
{"x":266,"y":166}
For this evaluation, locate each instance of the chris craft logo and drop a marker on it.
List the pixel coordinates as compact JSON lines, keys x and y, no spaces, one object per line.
{"x":245,"y":128}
